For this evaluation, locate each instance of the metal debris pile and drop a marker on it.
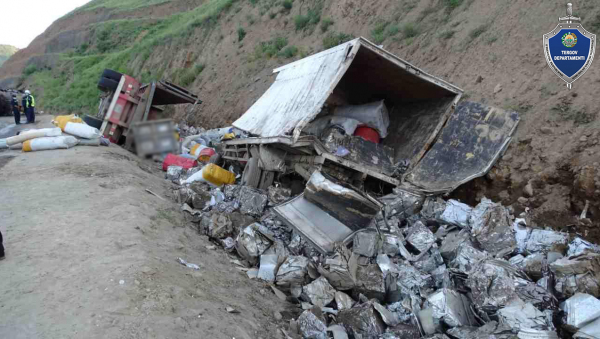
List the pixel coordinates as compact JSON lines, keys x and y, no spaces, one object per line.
{"x":429,"y":269}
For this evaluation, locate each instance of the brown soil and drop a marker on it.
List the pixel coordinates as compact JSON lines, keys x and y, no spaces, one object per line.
{"x":76,"y":222}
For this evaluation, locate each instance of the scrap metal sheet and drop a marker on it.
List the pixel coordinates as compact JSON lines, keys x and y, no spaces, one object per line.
{"x":297,"y":94}
{"x":472,"y":140}
{"x":313,"y":223}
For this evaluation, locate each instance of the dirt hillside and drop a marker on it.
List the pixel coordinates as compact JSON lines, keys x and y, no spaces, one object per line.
{"x":225,"y":51}
{"x":6,"y":51}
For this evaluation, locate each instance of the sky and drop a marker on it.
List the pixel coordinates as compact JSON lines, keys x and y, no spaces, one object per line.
{"x":23,"y":21}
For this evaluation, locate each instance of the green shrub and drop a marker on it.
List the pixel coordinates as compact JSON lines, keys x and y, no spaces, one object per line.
{"x":325,"y":24}
{"x":270,"y":48}
{"x":289,"y":52}
{"x":452,"y":4}
{"x":476,"y":32}
{"x":250,"y":19}
{"x":241,"y":33}
{"x":410,"y":30}
{"x":272,"y":15}
{"x":287,"y":5}
{"x":189,"y":75}
{"x":447,"y":34}
{"x":253,"y":2}
{"x":29,"y":70}
{"x":333,"y":39}
{"x":384,"y":30}
{"x":301,"y":21}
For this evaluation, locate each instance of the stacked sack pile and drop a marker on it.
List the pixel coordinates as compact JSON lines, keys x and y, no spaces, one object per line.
{"x":70,"y":131}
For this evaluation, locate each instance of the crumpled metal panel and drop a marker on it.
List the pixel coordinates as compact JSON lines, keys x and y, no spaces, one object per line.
{"x":577,"y":274}
{"x":452,"y":242}
{"x":581,"y":309}
{"x":402,"y":203}
{"x":365,"y":243}
{"x":452,"y":308}
{"x":343,"y":301}
{"x":420,"y":237}
{"x":293,"y":271}
{"x":338,"y":331}
{"x":389,"y":318}
{"x":467,"y":257}
{"x":320,"y":292}
{"x":546,"y":241}
{"x":312,"y":326}
{"x":529,"y":333}
{"x":492,"y":285}
{"x":340,"y":269}
{"x":250,"y":243}
{"x":252,"y":201}
{"x":296,"y":96}
{"x":407,"y":281}
{"x":456,"y":213}
{"x":579,"y":246}
{"x":347,"y":205}
{"x":519,"y":316}
{"x":362,"y":320}
{"x":473,"y":139}
{"x":590,"y":331}
{"x":370,"y":281}
{"x":402,"y":331}
{"x":268,"y":265}
{"x":491,"y":225}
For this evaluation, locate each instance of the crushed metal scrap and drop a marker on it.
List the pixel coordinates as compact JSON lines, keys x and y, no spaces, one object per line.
{"x":342,"y":214}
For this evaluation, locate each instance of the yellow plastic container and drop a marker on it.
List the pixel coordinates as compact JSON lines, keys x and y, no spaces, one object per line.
{"x":217,"y":176}
{"x":62,"y":120}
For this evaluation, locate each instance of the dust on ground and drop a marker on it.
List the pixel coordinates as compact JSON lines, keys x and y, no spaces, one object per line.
{"x":78,"y":222}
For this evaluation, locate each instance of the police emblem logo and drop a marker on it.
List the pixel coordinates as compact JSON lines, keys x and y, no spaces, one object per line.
{"x":569,"y":39}
{"x":569,"y":48}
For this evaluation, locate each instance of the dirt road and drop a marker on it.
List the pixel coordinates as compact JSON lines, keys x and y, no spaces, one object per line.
{"x":90,"y":254}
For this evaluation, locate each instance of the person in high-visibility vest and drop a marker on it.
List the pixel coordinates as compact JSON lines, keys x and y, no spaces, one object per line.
{"x":29,"y":107}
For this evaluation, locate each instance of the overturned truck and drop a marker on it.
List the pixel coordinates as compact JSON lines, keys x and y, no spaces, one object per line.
{"x":356,"y":120}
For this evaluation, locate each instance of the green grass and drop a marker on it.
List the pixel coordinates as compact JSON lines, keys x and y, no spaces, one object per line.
{"x":452,"y":4}
{"x":476,"y":32}
{"x":325,"y":24}
{"x":79,"y":92}
{"x":333,"y":39}
{"x":410,"y":30}
{"x":188,"y":76}
{"x":120,"y":5}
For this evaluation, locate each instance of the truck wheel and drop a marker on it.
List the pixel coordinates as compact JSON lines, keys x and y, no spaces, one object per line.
{"x":252,"y":173}
{"x":93,"y":122}
{"x":106,"y":84}
{"x":113,"y":75}
{"x":215,"y":159}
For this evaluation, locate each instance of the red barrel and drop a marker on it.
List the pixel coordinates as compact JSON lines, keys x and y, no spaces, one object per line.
{"x":367,"y":133}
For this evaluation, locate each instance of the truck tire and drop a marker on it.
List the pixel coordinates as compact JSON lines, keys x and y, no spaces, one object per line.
{"x":92,"y":121}
{"x":252,"y":173}
{"x":113,"y":75}
{"x":107,"y":85}
{"x":215,"y":159}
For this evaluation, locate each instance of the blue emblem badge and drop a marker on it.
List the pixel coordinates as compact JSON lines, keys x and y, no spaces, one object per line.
{"x":569,"y":48}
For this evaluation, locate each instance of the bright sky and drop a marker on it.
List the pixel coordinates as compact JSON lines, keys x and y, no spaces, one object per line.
{"x":22,"y":21}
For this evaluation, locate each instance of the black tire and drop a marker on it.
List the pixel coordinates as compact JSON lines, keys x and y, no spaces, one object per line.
{"x":113,"y":75}
{"x":92,"y":121}
{"x":215,"y":159}
{"x":107,"y":84}
{"x":252,"y":173}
